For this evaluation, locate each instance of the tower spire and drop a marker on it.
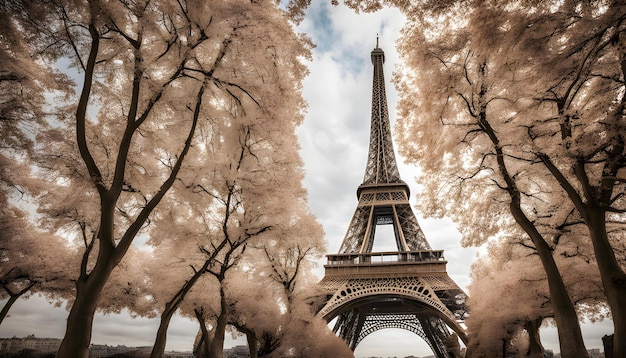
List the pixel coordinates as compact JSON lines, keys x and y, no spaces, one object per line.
{"x":381,"y":161}
{"x":383,"y":196}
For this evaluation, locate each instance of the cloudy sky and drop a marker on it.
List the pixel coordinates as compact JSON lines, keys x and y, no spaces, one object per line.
{"x":334,"y":140}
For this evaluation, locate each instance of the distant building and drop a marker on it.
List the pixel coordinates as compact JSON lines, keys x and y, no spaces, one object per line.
{"x":595,"y":353}
{"x":237,"y":352}
{"x":11,"y":346}
{"x":104,"y":351}
{"x":178,"y":355}
{"x":47,"y":347}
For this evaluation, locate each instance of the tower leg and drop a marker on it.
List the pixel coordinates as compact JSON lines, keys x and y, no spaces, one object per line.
{"x":434,"y":335}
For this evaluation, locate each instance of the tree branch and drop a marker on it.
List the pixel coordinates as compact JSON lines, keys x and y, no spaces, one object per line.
{"x":81,"y":112}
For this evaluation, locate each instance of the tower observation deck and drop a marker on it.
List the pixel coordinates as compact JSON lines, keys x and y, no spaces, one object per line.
{"x":409,"y":288}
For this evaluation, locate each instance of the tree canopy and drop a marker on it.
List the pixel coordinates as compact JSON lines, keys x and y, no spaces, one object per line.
{"x":181,"y":135}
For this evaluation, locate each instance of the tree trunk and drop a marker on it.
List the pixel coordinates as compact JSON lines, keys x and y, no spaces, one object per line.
{"x":201,"y":349}
{"x":568,"y":327}
{"x":253,"y":344}
{"x":12,"y":298}
{"x":216,"y":348}
{"x":613,"y":277}
{"x":7,"y":307}
{"x":535,"y":349}
{"x":607,"y":342}
{"x":597,"y":200}
{"x":158,"y":350}
{"x":75,"y":343}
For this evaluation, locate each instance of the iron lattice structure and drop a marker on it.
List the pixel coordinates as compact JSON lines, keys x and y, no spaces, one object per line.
{"x":407,"y":289}
{"x":383,"y":196}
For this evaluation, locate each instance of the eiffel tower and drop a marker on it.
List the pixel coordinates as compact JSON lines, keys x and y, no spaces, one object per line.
{"x":409,"y":288}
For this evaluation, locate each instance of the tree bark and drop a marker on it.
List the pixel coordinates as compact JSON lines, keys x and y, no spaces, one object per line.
{"x":7,"y":307}
{"x":568,"y":327}
{"x":216,"y":348}
{"x":201,"y":349}
{"x":12,"y":298}
{"x":613,"y":278}
{"x":535,"y":349}
{"x":253,"y":342}
{"x":75,"y":343}
{"x":158,"y":350}
{"x":607,"y":343}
